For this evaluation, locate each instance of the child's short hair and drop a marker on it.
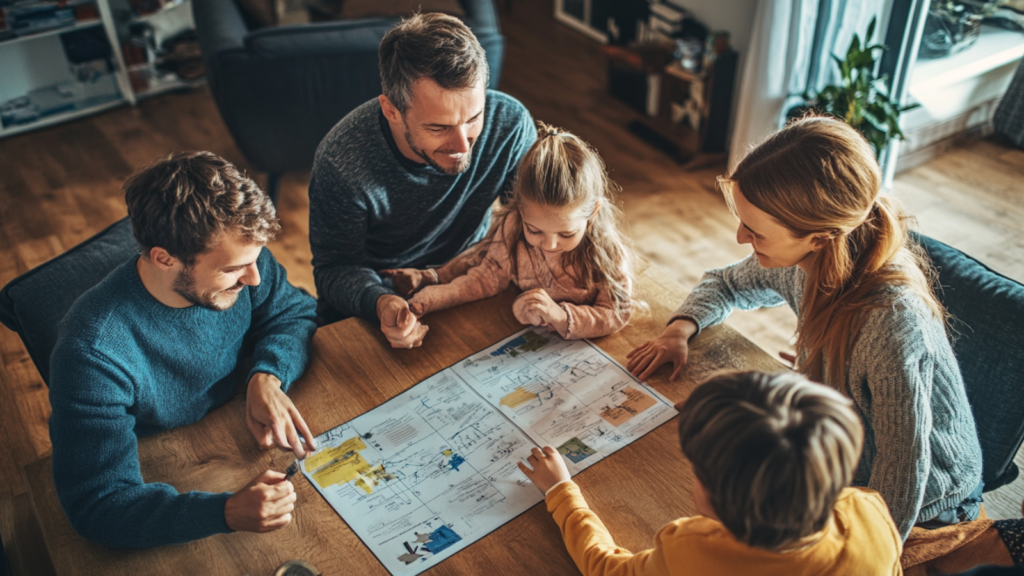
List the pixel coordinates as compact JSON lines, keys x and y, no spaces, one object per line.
{"x":773,"y":451}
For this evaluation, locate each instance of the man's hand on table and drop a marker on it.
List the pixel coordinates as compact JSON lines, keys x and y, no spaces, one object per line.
{"x":671,"y":346}
{"x":266,"y":503}
{"x":272,"y":417}
{"x":548,"y":468}
{"x":398,"y":323}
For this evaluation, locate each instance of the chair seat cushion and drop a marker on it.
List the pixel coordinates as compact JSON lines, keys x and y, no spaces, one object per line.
{"x":987,"y":329}
{"x":34,"y":303}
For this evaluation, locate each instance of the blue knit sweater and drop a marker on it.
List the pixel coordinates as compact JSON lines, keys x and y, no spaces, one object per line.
{"x":921,"y":449}
{"x":126,"y":366}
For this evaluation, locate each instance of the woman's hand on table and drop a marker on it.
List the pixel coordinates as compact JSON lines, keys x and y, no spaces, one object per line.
{"x":264,"y":504}
{"x":548,"y":468}
{"x":671,"y":346}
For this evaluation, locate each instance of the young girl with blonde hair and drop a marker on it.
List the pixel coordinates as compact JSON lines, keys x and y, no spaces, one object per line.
{"x":558,"y":239}
{"x":832,"y":246}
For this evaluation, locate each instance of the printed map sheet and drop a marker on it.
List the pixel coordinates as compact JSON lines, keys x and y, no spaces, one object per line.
{"x":433,"y":470}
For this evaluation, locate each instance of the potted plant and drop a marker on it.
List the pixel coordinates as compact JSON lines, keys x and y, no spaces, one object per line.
{"x":859,"y":98}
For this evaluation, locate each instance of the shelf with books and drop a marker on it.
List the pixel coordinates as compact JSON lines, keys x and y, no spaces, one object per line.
{"x":78,"y":25}
{"x":65,"y":116}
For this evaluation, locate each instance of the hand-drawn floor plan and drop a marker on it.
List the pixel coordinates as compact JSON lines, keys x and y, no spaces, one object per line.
{"x":434,"y":469}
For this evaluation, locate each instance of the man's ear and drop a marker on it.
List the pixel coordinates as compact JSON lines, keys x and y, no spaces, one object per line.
{"x":391,"y":112}
{"x":161,"y":258}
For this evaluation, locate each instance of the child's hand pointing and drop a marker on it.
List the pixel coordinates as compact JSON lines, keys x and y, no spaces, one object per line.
{"x":548,"y":468}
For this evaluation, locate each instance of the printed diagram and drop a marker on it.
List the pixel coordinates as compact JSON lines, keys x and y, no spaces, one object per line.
{"x":566,"y":394}
{"x":435,"y":469}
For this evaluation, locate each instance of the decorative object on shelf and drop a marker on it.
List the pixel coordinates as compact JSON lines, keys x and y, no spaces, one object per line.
{"x":683,"y":89}
{"x":953,"y":25}
{"x":859,"y":98}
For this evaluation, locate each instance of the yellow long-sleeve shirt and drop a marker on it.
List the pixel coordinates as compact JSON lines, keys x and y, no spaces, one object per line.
{"x":861,"y":540}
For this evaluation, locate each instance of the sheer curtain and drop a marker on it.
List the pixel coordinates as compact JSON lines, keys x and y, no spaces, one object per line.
{"x":791,"y":48}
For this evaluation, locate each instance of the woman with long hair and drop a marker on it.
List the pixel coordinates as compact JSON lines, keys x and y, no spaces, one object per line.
{"x":830,"y":244}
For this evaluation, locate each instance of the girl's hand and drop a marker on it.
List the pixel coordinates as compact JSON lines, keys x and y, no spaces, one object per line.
{"x":418,"y":308}
{"x":537,"y":308}
{"x":672,"y":346}
{"x":406,"y":281}
{"x":548,"y":468}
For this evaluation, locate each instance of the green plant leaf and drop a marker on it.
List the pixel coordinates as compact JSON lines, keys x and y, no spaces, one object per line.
{"x":859,"y":97}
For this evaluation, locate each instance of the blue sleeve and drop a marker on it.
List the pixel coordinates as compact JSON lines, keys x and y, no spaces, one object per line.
{"x":525,"y":135}
{"x":283,"y":323}
{"x":744,"y":285}
{"x":96,"y":462}
{"x":337,"y":236}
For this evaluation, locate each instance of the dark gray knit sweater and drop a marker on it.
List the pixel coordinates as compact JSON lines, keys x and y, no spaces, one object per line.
{"x":921,"y":449}
{"x":370,"y":208}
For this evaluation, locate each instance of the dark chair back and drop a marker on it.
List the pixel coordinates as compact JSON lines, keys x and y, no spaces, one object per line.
{"x":988,"y":340}
{"x":281,"y":89}
{"x":34,"y":303}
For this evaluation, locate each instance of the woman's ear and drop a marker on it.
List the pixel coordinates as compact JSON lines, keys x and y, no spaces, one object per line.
{"x":597,"y":206}
{"x":818,"y":241}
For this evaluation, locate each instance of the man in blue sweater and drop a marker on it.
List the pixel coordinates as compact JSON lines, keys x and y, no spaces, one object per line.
{"x":407,"y":180}
{"x":162,"y":341}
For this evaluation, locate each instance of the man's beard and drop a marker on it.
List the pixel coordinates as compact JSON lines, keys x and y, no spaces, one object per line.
{"x":185,"y":286}
{"x":454,"y":170}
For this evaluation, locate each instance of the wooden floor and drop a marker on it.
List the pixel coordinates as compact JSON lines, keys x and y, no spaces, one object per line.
{"x":60,"y":185}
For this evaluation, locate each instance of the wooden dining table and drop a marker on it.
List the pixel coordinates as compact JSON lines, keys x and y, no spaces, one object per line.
{"x":353,"y":369}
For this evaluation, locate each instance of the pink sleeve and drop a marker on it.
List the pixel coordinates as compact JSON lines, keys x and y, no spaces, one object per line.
{"x":461,"y":264}
{"x":601,"y":318}
{"x":484,"y":280}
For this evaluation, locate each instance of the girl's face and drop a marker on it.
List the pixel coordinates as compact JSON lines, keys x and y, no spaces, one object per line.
{"x":553,"y":230}
{"x":774,"y":245}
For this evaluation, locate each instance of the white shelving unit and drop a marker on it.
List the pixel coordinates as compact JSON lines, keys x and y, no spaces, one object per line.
{"x":37,"y":61}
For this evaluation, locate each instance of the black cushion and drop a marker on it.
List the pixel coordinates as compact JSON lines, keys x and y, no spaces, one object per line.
{"x":988,"y":340}
{"x":34,"y":303}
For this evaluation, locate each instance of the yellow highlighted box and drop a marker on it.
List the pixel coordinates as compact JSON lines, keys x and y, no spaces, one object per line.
{"x":354,"y":444}
{"x":517,"y":397}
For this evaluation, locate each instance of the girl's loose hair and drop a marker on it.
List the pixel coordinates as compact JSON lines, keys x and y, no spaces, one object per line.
{"x":561,"y":170}
{"x":819,"y":176}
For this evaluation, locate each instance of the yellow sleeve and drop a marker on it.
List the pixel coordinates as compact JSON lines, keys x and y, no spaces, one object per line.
{"x":589,"y":542}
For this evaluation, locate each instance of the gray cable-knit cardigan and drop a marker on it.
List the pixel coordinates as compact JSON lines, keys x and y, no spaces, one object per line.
{"x":921,"y":449}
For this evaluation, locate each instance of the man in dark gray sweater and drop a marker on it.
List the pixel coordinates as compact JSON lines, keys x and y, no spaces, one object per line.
{"x":407,"y":180}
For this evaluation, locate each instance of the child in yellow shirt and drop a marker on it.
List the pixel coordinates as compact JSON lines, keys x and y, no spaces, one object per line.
{"x":773,"y":456}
